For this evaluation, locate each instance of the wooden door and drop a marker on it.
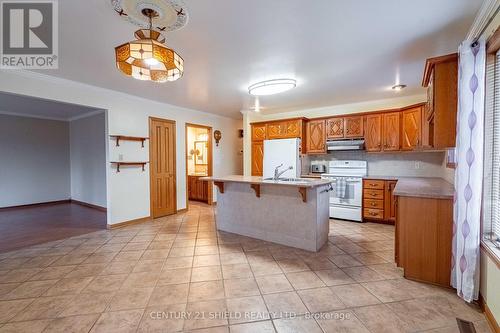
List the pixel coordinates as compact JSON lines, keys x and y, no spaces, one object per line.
{"x":390,"y":200}
{"x":391,"y":128}
{"x":373,"y":132}
{"x":411,"y":128}
{"x":257,"y":158}
{"x":316,"y":137}
{"x":353,"y":127}
{"x":162,"y":167}
{"x":335,"y":128}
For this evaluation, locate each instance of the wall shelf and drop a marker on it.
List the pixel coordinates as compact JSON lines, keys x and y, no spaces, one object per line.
{"x":129,"y":138}
{"x":118,"y":164}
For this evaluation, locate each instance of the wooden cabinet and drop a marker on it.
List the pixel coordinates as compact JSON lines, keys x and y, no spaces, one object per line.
{"x":284,"y":129}
{"x":379,"y":201}
{"x":257,"y":158}
{"x":373,"y":133}
{"x":259,"y":132}
{"x":440,"y":79}
{"x":411,"y":130}
{"x":316,"y":137}
{"x":335,"y":128}
{"x":390,"y":133}
{"x":198,"y":190}
{"x":354,"y":127}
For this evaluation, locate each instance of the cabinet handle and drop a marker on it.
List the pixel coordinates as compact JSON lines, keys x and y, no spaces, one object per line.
{"x":372,"y":184}
{"x":373,"y":214}
{"x":373,"y":194}
{"x":373,"y":204}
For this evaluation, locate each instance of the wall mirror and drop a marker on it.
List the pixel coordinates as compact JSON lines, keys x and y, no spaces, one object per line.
{"x":201,"y":152}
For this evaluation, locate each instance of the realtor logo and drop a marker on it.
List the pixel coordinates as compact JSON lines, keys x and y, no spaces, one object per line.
{"x":29,"y":34}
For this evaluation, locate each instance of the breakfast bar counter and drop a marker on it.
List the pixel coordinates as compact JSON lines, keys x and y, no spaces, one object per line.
{"x":291,"y":212}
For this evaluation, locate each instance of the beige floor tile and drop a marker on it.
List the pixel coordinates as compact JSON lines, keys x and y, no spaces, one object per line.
{"x":130,"y":298}
{"x":140,"y":280}
{"x":286,"y":304}
{"x":304,"y":280}
{"x":52,"y":272}
{"x":241,"y":287}
{"x":369,"y":258}
{"x":128,"y":256}
{"x":297,"y":324}
{"x":233,"y":258}
{"x":388,"y":270}
{"x":68,"y":286}
{"x":292,"y":265}
{"x":169,"y":294}
{"x":178,"y":262}
{"x":34,"y":326}
{"x":319,"y":263}
{"x":86,"y":270}
{"x":96,"y":258}
{"x":119,"y":267}
{"x":120,"y":321}
{"x":205,"y":314}
{"x":44,"y":308}
{"x":205,"y":291}
{"x":87,"y":304}
{"x":320,"y":300}
{"x":39,"y":262}
{"x":19,"y":275}
{"x":72,"y":324}
{"x":363,"y":274}
{"x":254,"y":327}
{"x":334,"y":277}
{"x":273,"y":283}
{"x":147,"y":265}
{"x":206,"y":273}
{"x":345,"y":260}
{"x":265,"y":268}
{"x":236,"y":271}
{"x":353,"y":295}
{"x":247,"y":309}
{"x":181,"y":252}
{"x":389,"y":290}
{"x":204,"y":250}
{"x":342,"y":321}
{"x":380,"y":319}
{"x":9,"y":309}
{"x":6,"y":288}
{"x":105,"y":283}
{"x":174,"y":276}
{"x":29,"y":289}
{"x":166,"y":318}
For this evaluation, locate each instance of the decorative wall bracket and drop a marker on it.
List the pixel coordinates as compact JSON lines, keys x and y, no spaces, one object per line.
{"x":118,"y":164}
{"x":220,"y":185}
{"x":303,"y":193}
{"x":128,"y":138}
{"x":256,"y":188}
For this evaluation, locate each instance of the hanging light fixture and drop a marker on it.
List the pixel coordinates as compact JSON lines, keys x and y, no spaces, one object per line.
{"x":147,"y":57}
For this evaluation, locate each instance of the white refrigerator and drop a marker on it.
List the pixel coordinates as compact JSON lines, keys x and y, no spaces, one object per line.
{"x":282,"y":151}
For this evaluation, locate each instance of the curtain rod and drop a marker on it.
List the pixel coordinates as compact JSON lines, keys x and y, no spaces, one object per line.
{"x":474,"y":42}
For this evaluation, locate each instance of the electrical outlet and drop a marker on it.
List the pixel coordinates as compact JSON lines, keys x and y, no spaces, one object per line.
{"x":120,"y":157}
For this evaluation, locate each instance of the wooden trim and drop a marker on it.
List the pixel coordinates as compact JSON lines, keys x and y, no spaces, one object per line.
{"x":278,"y":120}
{"x":128,"y":223}
{"x":220,"y":185}
{"x":180,"y":211}
{"x":490,"y":254}
{"x":256,"y":188}
{"x":89,"y":205}
{"x":47,"y":203}
{"x":493,"y":44}
{"x":431,"y":62}
{"x":303,"y":193}
{"x":488,"y":314}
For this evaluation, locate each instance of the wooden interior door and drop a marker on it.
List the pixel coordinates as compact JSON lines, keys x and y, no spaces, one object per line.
{"x":316,"y":137}
{"x":257,"y":158}
{"x":412,"y":128}
{"x":162,"y":167}
{"x":373,"y":133}
{"x":391,"y":131}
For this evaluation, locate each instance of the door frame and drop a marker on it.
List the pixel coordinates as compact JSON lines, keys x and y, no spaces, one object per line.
{"x":210,"y":160}
{"x":151,"y":119}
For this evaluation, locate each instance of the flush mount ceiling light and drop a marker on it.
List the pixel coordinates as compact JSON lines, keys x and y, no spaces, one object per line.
{"x":398,"y":87}
{"x":271,"y":87}
{"x":147,"y":57}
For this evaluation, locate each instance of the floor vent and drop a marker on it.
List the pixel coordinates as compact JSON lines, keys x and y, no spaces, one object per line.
{"x":465,"y":326}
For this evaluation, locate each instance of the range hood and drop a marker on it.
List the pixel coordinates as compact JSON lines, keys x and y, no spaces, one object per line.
{"x":357,"y":144}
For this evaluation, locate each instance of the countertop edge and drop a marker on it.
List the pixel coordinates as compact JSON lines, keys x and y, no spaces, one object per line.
{"x":259,"y":181}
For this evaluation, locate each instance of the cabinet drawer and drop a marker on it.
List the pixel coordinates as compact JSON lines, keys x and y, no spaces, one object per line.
{"x":373,"y":194}
{"x":373,"y":213}
{"x":373,"y":204}
{"x":373,"y":184}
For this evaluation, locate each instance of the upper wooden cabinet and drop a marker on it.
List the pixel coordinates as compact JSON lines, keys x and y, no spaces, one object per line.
{"x":284,"y":129}
{"x":316,"y":137}
{"x":354,"y":127}
{"x":440,"y":79}
{"x":411,"y":131}
{"x":257,"y":158}
{"x":259,"y":132}
{"x":390,"y":133}
{"x":373,"y":133}
{"x":335,"y":128}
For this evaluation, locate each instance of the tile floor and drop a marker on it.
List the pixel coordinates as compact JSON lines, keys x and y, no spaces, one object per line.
{"x":179,"y":274}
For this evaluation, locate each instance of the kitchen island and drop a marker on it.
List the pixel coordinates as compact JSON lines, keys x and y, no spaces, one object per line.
{"x":292,"y":212}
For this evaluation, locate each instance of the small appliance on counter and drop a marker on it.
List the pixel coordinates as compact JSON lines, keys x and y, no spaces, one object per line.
{"x":318,"y":168}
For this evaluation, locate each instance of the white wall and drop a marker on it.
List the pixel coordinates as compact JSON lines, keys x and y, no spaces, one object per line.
{"x":34,"y":160}
{"x":88,"y":159}
{"x":128,"y":191}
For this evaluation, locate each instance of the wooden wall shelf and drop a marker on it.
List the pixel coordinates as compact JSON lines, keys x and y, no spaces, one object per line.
{"x":129,"y":138}
{"x":118,"y":164}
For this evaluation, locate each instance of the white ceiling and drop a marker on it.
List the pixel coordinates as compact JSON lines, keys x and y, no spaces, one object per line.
{"x":41,"y":108}
{"x":339,"y":51}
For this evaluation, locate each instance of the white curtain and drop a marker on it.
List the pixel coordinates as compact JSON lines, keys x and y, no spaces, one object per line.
{"x":469,"y":171}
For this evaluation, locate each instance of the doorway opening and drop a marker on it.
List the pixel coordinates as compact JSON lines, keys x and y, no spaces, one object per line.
{"x":198,"y":163}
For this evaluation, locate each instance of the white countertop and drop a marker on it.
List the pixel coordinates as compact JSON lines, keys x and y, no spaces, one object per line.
{"x":304,"y":182}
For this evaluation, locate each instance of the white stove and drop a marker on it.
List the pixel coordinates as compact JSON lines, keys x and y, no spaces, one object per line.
{"x":346,"y":197}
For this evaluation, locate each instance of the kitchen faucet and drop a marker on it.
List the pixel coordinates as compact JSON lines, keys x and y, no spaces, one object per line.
{"x":278,"y":174}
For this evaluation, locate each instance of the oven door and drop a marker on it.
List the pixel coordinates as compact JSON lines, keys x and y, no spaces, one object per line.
{"x":353,"y":192}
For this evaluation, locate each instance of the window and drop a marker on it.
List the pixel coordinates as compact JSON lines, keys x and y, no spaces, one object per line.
{"x":491,"y":199}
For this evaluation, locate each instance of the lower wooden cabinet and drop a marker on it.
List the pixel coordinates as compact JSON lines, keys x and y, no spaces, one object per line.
{"x":257,"y":158}
{"x":198,"y":190}
{"x":379,"y":203}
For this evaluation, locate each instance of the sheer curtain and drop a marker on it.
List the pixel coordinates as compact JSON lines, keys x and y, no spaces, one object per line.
{"x":469,"y":171}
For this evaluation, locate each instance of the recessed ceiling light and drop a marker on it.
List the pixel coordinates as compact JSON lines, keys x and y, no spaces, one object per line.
{"x":399,"y":87}
{"x":271,"y":87}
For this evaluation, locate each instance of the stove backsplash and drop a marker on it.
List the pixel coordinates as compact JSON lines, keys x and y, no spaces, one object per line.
{"x":412,"y":164}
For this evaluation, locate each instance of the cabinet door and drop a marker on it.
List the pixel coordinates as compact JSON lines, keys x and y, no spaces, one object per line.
{"x":292,"y":129}
{"x":335,"y":128}
{"x":316,"y":137}
{"x":275,"y":130}
{"x":390,"y":200}
{"x":353,"y":127}
{"x":257,"y":158}
{"x":391,"y":125}
{"x":373,"y":132}
{"x":411,"y":128}
{"x":258,"y":132}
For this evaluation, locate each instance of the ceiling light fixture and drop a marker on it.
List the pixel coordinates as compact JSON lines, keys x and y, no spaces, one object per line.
{"x":271,"y":87}
{"x":398,"y":87}
{"x":147,"y":57}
